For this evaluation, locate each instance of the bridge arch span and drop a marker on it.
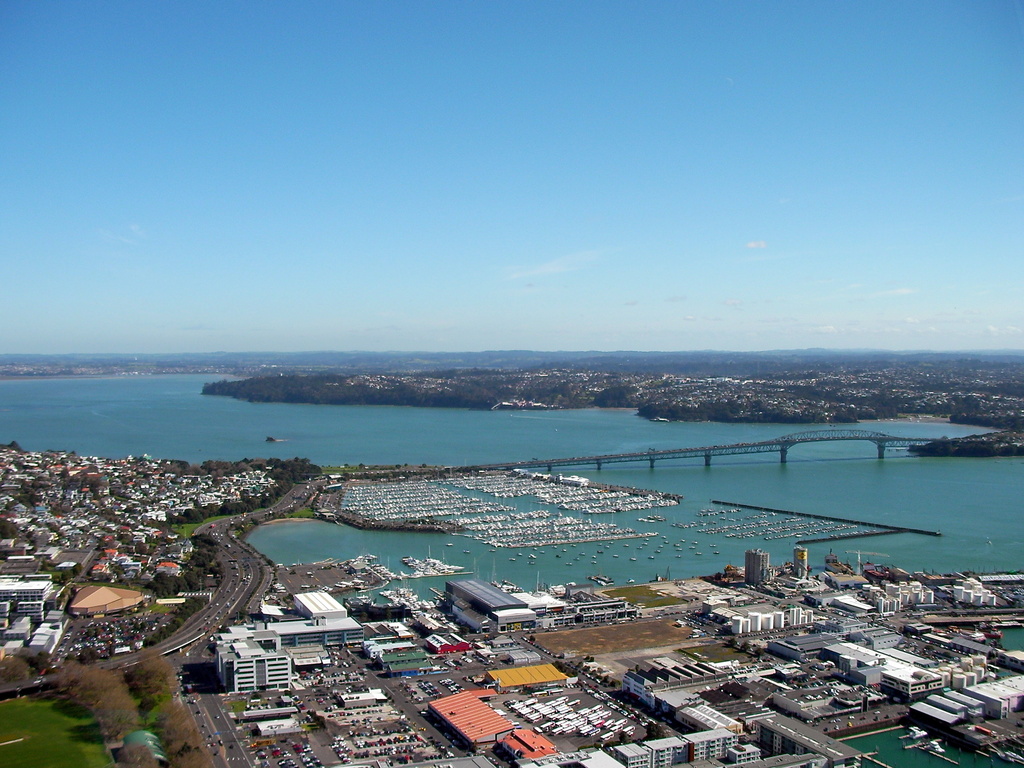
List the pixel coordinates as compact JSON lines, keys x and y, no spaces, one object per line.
{"x":833,"y":434}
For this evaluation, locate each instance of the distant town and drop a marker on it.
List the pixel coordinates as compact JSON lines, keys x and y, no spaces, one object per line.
{"x":131,"y":580}
{"x":802,"y":387}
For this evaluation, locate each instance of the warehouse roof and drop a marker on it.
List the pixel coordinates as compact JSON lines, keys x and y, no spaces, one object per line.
{"x":516,"y":676}
{"x":471,"y":717}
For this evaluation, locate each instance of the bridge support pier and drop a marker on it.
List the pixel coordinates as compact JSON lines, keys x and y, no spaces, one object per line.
{"x":598,"y":465}
{"x":783,"y":451}
{"x":707,"y":459}
{"x":651,"y":460}
{"x":881,"y":450}
{"x":550,"y":468}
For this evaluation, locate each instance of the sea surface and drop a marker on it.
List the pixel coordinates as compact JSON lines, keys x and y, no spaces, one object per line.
{"x":889,"y":748}
{"x":975,"y":503}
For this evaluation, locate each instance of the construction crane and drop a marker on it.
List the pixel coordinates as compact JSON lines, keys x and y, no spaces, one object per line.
{"x":859,"y":552}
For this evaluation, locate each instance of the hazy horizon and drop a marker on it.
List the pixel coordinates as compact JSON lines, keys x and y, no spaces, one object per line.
{"x":838,"y":351}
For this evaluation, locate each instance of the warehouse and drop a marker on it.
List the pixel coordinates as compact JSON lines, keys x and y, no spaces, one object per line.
{"x":447,"y":643}
{"x":470,"y":718}
{"x":526,"y":677}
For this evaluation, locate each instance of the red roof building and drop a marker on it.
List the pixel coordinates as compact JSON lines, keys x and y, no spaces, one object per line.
{"x":439,"y":643}
{"x":526,"y":744}
{"x":472,"y":719}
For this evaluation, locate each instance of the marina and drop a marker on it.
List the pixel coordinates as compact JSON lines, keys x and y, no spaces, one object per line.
{"x":485,"y":518}
{"x":974,"y":503}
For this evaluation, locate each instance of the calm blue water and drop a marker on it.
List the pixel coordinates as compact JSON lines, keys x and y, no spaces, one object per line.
{"x":975,"y":503}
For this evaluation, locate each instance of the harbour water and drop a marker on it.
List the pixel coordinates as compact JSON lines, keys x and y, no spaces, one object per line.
{"x":889,"y":749}
{"x":976,"y":503}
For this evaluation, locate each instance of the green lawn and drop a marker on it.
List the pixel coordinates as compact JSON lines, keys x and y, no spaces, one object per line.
{"x":185,"y":530}
{"x":642,"y":595}
{"x":48,"y":733}
{"x":301,"y":513}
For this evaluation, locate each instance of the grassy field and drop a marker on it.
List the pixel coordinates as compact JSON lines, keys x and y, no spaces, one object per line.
{"x":642,"y":595}
{"x":46,"y":733}
{"x":185,"y":530}
{"x":301,"y":513}
{"x":616,"y":638}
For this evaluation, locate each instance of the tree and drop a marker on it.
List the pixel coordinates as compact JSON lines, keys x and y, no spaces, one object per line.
{"x":104,"y":693}
{"x":181,"y":739}
{"x":14,"y":668}
{"x":150,"y":680}
{"x":135,"y":756}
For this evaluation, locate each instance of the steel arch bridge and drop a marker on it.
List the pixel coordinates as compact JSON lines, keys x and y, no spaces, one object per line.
{"x":780,"y":445}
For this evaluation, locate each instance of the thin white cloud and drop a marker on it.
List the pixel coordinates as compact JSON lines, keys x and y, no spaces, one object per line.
{"x":675,"y":299}
{"x":826,"y":329}
{"x":136,"y":233}
{"x":106,"y":234}
{"x":733,"y":302}
{"x":897,"y":292}
{"x":569,"y":263}
{"x":757,"y":244}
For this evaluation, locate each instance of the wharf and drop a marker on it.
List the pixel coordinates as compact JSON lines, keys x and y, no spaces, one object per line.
{"x":364,"y":523}
{"x":885,"y":528}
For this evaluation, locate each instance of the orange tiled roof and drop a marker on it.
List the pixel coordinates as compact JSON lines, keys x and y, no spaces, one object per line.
{"x":471,"y":717}
{"x":529,"y":744}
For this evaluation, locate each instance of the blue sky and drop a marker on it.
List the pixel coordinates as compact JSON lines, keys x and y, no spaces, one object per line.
{"x":447,"y":176}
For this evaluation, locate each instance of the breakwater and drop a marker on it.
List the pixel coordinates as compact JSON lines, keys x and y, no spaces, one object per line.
{"x":369,"y":524}
{"x":883,"y":528}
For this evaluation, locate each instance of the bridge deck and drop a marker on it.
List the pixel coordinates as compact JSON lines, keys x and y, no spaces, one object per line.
{"x":779,"y":445}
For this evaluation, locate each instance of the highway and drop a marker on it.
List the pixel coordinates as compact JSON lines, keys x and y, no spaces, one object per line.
{"x":246,"y":577}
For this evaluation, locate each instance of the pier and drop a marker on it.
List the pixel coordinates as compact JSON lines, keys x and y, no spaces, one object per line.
{"x":883,"y":527}
{"x":780,"y":445}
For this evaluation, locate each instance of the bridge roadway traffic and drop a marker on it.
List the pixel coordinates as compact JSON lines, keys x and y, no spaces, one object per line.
{"x":781,"y":445}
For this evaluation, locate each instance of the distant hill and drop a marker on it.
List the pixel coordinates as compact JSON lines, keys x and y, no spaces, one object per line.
{"x":693,"y":363}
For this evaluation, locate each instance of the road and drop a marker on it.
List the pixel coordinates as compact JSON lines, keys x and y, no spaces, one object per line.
{"x":247,"y":576}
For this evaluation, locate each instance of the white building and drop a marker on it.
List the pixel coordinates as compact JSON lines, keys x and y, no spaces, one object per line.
{"x":319,"y":604}
{"x":999,"y":698}
{"x":27,"y":597}
{"x":246,"y":665}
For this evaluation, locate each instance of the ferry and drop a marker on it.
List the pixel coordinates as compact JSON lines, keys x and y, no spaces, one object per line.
{"x":915,"y":733}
